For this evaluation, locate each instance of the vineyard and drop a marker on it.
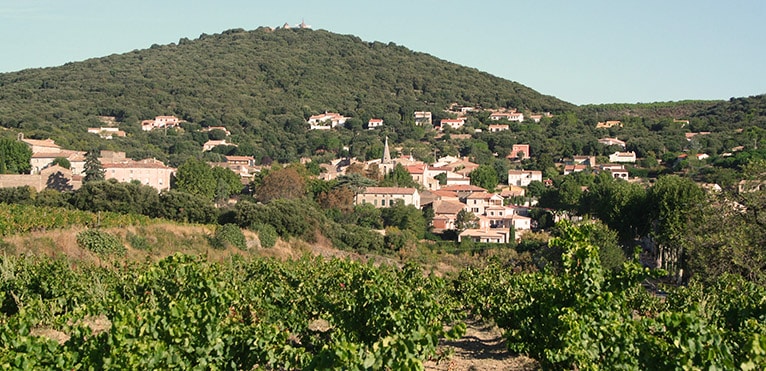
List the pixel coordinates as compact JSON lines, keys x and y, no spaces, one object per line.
{"x":16,"y":219}
{"x":186,"y":312}
{"x":585,"y":317}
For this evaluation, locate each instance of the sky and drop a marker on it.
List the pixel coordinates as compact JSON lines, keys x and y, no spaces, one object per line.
{"x":584,"y":52}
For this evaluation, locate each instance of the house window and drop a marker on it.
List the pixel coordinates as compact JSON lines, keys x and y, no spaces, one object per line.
{"x":375,"y":202}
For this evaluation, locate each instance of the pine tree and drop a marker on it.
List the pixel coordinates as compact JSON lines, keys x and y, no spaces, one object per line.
{"x":93,"y":168}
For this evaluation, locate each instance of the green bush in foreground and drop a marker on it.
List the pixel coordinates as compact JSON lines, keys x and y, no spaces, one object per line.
{"x":100,"y":242}
{"x":229,"y":235}
{"x":266,"y":234}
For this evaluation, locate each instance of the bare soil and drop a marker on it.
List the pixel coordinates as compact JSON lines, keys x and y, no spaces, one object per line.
{"x":481,"y":348}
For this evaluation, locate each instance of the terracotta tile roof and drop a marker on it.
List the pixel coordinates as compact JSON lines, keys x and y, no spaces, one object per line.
{"x":523,"y":172}
{"x":444,"y":194}
{"x":63,"y":153}
{"x":390,"y":190}
{"x":130,"y":164}
{"x":442,"y":207}
{"x":480,"y":195}
{"x":463,"y":187}
{"x":41,"y":143}
{"x":239,"y":158}
{"x":415,"y":169}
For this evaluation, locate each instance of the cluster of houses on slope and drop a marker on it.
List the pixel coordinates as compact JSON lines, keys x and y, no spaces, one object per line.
{"x":159,"y":122}
{"x":445,"y":187}
{"x":46,"y":152}
{"x":150,"y":172}
{"x":331,"y":120}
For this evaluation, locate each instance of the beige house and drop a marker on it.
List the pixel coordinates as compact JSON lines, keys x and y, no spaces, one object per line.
{"x":42,"y":160}
{"x":160,"y":122}
{"x":149,"y":172}
{"x":387,"y":196}
{"x":52,"y":177}
{"x":40,"y":145}
{"x":107,"y":132}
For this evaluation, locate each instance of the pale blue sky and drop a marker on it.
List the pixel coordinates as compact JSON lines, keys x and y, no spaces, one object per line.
{"x":581,"y":51}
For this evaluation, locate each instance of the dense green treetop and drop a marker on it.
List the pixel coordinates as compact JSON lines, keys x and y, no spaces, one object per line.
{"x":14,"y":157}
{"x":196,"y":177}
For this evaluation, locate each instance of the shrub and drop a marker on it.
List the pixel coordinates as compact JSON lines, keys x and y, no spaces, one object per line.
{"x":229,"y":235}
{"x":267,"y":234}
{"x":139,"y":242}
{"x":100,"y":242}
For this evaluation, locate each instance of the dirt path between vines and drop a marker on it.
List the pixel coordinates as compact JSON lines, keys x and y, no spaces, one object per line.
{"x":481,"y":348}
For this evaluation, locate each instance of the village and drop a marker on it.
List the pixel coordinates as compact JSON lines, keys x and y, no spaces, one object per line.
{"x":495,"y":215}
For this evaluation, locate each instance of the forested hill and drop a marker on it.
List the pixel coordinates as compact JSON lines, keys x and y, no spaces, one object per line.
{"x":733,"y":114}
{"x":736,"y":113}
{"x":264,"y":76}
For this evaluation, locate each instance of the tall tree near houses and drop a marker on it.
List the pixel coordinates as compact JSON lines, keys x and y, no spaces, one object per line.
{"x":284,"y":183}
{"x":485,"y":177}
{"x":92,"y":168}
{"x":197,"y":178}
{"x":228,"y":183}
{"x":673,"y":200}
{"x":465,"y":220}
{"x":399,"y":177}
{"x":14,"y":157}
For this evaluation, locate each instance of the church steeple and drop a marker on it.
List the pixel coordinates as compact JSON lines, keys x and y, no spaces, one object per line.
{"x":386,"y":153}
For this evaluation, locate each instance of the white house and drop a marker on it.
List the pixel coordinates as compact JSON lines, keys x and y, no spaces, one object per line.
{"x":629,"y":157}
{"x":489,"y":235}
{"x":374,"y":123}
{"x":524,"y":177}
{"x":510,"y":116}
{"x":494,"y":128}
{"x":423,"y":118}
{"x":453,"y":123}
{"x":612,"y":142}
{"x":327,"y":120}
